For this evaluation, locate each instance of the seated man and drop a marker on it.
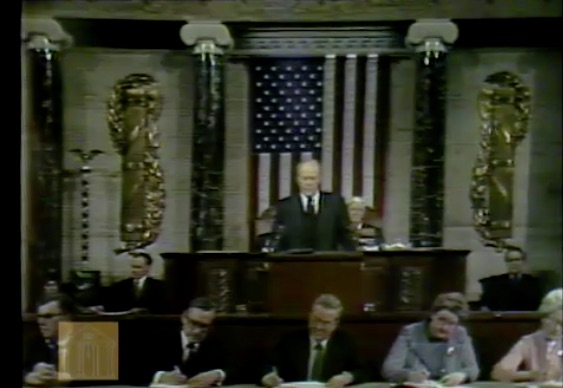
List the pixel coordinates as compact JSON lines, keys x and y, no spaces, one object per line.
{"x":41,"y":354}
{"x":514,"y":290}
{"x":140,"y":291}
{"x":366,"y":234}
{"x":320,"y":353}
{"x":192,"y":356}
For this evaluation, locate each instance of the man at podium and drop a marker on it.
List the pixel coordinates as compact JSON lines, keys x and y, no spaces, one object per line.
{"x":312,"y":219}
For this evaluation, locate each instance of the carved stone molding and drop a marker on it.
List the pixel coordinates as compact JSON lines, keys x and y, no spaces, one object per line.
{"x":207,"y":37}
{"x":44,"y":33}
{"x":432,"y":35}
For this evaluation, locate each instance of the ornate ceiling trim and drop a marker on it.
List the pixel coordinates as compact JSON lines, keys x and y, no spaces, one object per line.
{"x":320,"y":42}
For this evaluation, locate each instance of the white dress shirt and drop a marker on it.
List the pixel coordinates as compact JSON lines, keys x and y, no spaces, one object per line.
{"x":316,"y":201}
{"x":139,"y":283}
{"x":185,"y":343}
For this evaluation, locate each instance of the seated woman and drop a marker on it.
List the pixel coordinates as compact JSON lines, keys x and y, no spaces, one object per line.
{"x":365,"y":233}
{"x":438,"y":348}
{"x":538,"y":356}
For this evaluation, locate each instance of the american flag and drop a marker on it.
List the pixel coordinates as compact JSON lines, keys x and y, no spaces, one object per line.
{"x":322,"y":108}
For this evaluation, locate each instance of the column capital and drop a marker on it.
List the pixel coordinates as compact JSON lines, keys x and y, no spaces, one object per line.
{"x":44,"y":33}
{"x":432,"y":35}
{"x":206,"y":37}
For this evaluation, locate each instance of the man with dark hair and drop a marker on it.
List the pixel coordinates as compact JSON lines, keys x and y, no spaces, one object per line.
{"x":41,"y":354}
{"x":140,"y":291}
{"x":513,"y":290}
{"x":192,"y":356}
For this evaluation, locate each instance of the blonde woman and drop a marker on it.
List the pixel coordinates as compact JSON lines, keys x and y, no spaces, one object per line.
{"x":537,"y":356}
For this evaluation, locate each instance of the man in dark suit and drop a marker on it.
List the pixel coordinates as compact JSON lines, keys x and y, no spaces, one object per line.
{"x":41,"y":355}
{"x":192,"y":356}
{"x":514,"y":290}
{"x":312,"y":219}
{"x":140,"y":291}
{"x":322,"y":353}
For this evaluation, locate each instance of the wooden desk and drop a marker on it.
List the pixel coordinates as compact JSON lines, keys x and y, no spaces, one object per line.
{"x":384,"y":281}
{"x":251,"y":336}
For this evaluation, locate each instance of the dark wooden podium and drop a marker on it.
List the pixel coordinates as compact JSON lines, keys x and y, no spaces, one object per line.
{"x":384,"y":281}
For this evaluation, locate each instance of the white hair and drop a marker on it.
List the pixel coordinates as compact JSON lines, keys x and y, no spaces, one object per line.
{"x":329,"y":302}
{"x":356,"y":201}
{"x":551,"y":302}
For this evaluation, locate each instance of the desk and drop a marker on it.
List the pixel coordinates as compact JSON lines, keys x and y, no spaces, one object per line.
{"x":480,"y":384}
{"x":252,"y":335}
{"x":383,"y":281}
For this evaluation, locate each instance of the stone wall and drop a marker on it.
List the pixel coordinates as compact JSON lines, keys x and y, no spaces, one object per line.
{"x":89,"y":75}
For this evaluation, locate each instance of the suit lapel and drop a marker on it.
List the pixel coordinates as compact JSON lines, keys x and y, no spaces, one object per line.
{"x":329,"y":355}
{"x":322,"y":218}
{"x":297,"y":212}
{"x":302,"y":351}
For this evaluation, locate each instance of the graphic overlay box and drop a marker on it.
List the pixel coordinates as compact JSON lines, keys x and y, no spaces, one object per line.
{"x":88,"y":351}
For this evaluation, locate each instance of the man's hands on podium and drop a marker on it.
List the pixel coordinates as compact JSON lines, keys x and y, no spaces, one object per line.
{"x":42,"y":374}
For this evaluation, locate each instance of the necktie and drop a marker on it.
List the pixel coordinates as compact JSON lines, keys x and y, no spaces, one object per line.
{"x":317,"y":369}
{"x":189,"y":350}
{"x":310,"y":206}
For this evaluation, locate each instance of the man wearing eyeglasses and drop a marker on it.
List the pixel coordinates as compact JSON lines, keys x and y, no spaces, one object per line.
{"x":321,"y":353}
{"x":192,"y":356}
{"x":41,"y":358}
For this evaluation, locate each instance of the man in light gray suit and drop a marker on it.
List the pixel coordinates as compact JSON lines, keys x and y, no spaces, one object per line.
{"x":438,"y":348}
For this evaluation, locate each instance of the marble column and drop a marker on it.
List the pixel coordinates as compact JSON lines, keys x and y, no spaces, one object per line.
{"x":42,"y":150}
{"x":430,"y":39}
{"x":209,"y":41}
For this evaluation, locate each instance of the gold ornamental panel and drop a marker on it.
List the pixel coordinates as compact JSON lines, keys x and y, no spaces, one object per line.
{"x":133,"y":110}
{"x":504,"y":109}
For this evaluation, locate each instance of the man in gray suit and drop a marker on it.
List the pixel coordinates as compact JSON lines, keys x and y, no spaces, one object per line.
{"x":312,"y":219}
{"x":438,"y":348}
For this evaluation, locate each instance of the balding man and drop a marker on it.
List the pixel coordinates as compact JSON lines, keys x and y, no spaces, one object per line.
{"x":312,"y":219}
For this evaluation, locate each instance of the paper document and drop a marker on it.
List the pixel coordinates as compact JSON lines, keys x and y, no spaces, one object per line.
{"x":168,"y":386}
{"x":304,"y":384}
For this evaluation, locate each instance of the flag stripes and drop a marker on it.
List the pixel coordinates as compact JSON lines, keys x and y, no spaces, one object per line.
{"x":341,"y":127}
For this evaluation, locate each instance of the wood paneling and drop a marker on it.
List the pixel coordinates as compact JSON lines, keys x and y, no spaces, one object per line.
{"x":400,"y":280}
